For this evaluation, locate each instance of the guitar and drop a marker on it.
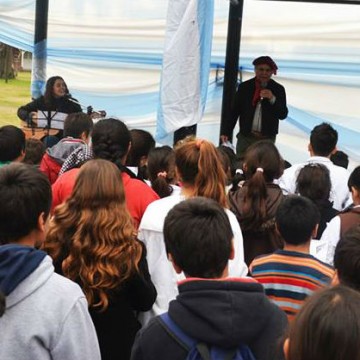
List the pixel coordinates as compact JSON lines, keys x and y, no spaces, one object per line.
{"x":37,"y":132}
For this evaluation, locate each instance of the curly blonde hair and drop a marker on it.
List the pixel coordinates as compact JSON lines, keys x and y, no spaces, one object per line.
{"x":92,"y":233}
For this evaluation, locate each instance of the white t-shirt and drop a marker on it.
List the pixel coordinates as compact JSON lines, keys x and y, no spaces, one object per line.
{"x":339,"y":195}
{"x":324,"y":249}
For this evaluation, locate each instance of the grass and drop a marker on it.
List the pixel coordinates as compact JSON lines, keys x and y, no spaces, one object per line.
{"x":12,"y":95}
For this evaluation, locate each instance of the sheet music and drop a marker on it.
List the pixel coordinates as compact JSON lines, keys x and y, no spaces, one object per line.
{"x":56,"y":119}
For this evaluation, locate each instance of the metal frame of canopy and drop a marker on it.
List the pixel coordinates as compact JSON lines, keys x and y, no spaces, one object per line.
{"x":231,"y":59}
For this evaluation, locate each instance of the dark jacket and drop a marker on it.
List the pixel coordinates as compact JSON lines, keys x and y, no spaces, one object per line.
{"x":243,"y":107}
{"x":117,"y":326}
{"x":62,"y":104}
{"x":264,"y":239}
{"x":221,"y":313}
{"x":327,"y":212}
{"x":349,"y":218}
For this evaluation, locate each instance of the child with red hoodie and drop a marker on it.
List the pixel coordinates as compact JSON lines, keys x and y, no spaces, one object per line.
{"x":77,"y":130}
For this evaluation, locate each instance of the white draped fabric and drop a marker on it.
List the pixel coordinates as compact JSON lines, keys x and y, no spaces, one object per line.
{"x":110,"y":54}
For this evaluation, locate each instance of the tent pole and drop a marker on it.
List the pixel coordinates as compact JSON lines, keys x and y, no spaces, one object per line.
{"x":38,"y":77}
{"x":232,"y":58}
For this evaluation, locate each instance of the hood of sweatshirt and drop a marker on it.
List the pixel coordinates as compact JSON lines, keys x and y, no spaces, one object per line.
{"x":17,"y":263}
{"x":222,"y":312}
{"x":60,"y":151}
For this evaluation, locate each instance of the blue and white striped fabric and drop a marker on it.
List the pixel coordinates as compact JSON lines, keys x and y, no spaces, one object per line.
{"x":110,"y":53}
{"x":186,"y":65}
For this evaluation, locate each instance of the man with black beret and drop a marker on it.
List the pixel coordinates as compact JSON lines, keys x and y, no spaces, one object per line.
{"x":259,"y":103}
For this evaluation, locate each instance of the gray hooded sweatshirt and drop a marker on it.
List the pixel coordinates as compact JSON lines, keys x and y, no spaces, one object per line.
{"x":46,"y":315}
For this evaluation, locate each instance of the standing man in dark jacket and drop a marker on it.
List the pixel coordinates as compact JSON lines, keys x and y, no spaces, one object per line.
{"x":260,"y":103}
{"x":211,"y":308}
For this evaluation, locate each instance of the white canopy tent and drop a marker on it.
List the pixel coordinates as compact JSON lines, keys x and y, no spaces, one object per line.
{"x":110,"y":55}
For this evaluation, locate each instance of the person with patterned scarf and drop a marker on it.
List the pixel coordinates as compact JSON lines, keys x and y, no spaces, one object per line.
{"x":259,"y":103}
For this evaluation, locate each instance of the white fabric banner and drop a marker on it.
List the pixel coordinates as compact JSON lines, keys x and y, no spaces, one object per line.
{"x":186,"y":65}
{"x":110,"y":55}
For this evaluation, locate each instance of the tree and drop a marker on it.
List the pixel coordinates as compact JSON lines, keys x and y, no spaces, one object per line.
{"x":7,"y":68}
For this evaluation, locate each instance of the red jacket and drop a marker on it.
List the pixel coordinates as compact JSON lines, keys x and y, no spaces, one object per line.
{"x":138,"y":195}
{"x":55,"y":156}
{"x":50,"y":167}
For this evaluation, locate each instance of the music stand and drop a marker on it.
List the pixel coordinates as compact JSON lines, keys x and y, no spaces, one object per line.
{"x":50,"y":120}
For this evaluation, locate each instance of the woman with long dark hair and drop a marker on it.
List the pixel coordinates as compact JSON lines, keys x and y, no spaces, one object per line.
{"x":92,"y":241}
{"x":56,"y":98}
{"x":111,"y":141}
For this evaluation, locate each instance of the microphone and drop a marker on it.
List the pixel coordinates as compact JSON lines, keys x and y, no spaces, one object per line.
{"x":89,"y":109}
{"x":263,"y":86}
{"x":69,"y":98}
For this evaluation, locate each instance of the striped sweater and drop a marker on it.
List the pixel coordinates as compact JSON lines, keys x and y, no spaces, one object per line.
{"x":289,"y":277}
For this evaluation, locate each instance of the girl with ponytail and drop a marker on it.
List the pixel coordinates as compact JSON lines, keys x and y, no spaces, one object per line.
{"x":161,"y":171}
{"x":200,"y":173}
{"x":256,"y":202}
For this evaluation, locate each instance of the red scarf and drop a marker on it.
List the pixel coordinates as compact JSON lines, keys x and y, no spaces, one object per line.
{"x":258,"y":88}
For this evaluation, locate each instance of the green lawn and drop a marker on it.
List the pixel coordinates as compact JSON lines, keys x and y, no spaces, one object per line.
{"x":12,"y":95}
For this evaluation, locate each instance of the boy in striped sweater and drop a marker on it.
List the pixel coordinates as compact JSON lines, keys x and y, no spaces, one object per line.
{"x":290,"y":275}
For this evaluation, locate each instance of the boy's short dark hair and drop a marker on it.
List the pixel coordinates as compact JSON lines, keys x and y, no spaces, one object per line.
{"x":314,"y":182}
{"x":296,"y":218}
{"x":198,"y":236}
{"x":323,"y":139}
{"x":12,"y":143}
{"x":347,"y":258}
{"x":25,"y":194}
{"x":77,"y":123}
{"x":34,"y":151}
{"x":354,"y":179}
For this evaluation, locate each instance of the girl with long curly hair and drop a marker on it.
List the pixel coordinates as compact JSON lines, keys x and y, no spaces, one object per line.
{"x":92,"y":241}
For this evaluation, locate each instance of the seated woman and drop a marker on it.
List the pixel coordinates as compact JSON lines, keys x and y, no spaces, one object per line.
{"x":56,"y":98}
{"x":256,"y":202}
{"x":92,"y":241}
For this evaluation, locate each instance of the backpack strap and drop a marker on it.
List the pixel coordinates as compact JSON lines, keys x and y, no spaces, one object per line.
{"x":190,"y":343}
{"x":173,"y":329}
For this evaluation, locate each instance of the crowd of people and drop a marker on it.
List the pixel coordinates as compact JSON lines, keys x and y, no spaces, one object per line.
{"x":112,"y":247}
